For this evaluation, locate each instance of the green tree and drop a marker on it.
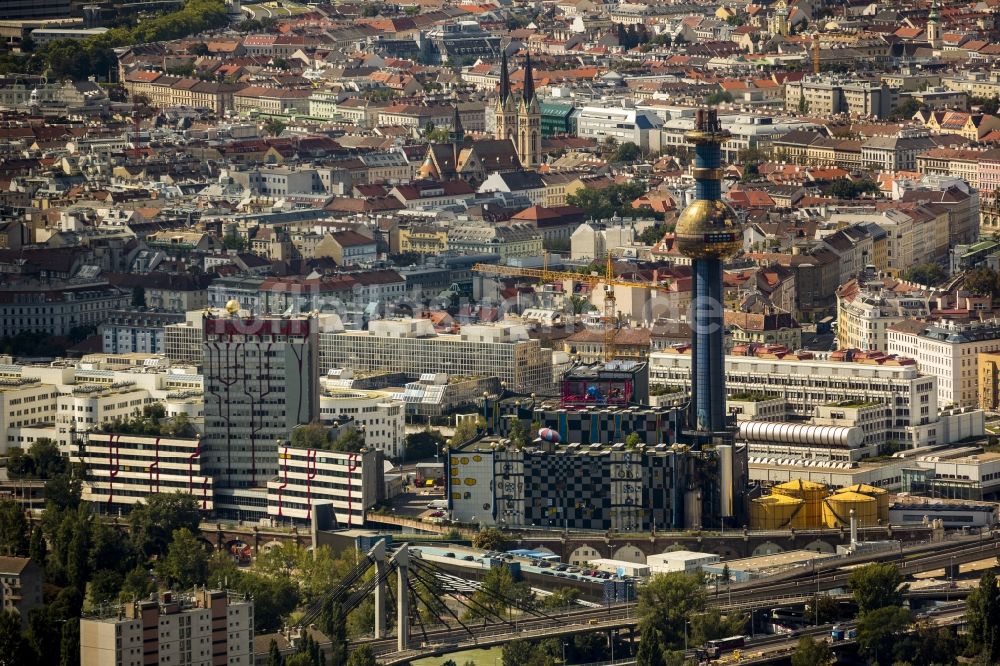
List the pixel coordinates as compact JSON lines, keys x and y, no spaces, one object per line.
{"x":274,"y":598}
{"x":650,"y":647}
{"x":313,"y":435}
{"x":828,"y":610}
{"x":274,"y":127}
{"x":13,"y":529}
{"x":43,"y":634}
{"x":49,"y":463}
{"x":466,"y":430}
{"x":934,"y":646}
{"x":36,"y":546}
{"x":561,"y":599}
{"x":14,"y":649}
{"x":876,"y":585}
{"x":349,"y":441}
{"x":626,"y":152}
{"x":422,"y":445}
{"x":810,"y":652}
{"x":632,"y":440}
{"x":712,"y":624}
{"x":516,"y":653}
{"x":844,"y":188}
{"x":63,"y":492}
{"x":928,"y":274}
{"x":983,"y":282}
{"x":153,"y":523}
{"x":986,"y":104}
{"x":138,"y":297}
{"x":274,"y":655}
{"x":69,"y":643}
{"x":608,"y":201}
{"x":497,"y":593}
{"x":667,"y":601}
{"x":653,"y":234}
{"x":362,"y":656}
{"x":104,"y":587}
{"x":371,"y":10}
{"x":137,"y":585}
{"x":906,"y":109}
{"x":186,"y":563}
{"x":879,"y":631}
{"x":489,"y":538}
{"x":20,"y":465}
{"x":518,"y":434}
{"x":333,"y":623}
{"x":984,"y":618}
{"x":723,"y":96}
{"x":198,"y":49}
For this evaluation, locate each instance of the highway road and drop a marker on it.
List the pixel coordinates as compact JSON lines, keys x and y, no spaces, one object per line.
{"x":798,"y":584}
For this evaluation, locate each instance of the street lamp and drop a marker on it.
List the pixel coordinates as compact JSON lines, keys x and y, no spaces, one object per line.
{"x":686,"y":623}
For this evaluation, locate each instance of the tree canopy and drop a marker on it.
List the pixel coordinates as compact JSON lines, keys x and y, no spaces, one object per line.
{"x":876,"y":585}
{"x":928,"y":274}
{"x":605,"y":202}
{"x":844,"y":188}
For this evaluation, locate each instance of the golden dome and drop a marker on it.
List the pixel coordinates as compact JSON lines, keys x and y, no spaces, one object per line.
{"x":708,"y":229}
{"x":233,"y":306}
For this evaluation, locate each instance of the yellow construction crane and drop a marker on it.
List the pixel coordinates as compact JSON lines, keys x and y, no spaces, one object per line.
{"x":610,"y":317}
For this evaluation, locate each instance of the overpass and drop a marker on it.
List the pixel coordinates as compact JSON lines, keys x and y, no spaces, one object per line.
{"x":796,"y":586}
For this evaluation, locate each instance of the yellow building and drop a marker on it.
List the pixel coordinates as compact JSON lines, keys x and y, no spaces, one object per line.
{"x":423,"y":239}
{"x":989,"y":381}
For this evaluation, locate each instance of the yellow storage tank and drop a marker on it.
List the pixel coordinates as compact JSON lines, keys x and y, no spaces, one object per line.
{"x":774,"y":512}
{"x":880,"y":495}
{"x":812,"y":495}
{"x":837,"y":509}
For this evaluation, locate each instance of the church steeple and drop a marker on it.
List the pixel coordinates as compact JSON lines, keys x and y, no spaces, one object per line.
{"x":529,"y":81}
{"x":457,"y":131}
{"x":506,"y":109}
{"x":933,"y":27}
{"x":504,"y":80}
{"x":529,"y":121}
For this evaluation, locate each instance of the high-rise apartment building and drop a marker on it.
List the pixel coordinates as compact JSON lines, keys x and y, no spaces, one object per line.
{"x":204,"y":629}
{"x":260,"y":382}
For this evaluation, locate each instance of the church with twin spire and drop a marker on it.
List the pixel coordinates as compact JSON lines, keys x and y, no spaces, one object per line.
{"x":520,"y":120}
{"x":517,"y":144}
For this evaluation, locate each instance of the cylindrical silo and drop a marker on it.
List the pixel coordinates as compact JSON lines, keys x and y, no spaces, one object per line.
{"x":880,"y":495}
{"x":774,"y":512}
{"x":812,"y":495}
{"x":837,"y":509}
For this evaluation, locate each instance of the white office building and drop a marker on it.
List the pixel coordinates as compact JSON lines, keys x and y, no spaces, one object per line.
{"x":349,"y":482}
{"x":948,"y":350}
{"x":806,"y":381}
{"x":260,"y":382}
{"x":125,"y":469}
{"x":620,"y":124}
{"x":381,"y":417}
{"x":412,"y":347}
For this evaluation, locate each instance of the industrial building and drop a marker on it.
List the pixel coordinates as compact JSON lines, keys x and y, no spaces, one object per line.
{"x":596,"y":486}
{"x":590,"y":425}
{"x":680,"y":560}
